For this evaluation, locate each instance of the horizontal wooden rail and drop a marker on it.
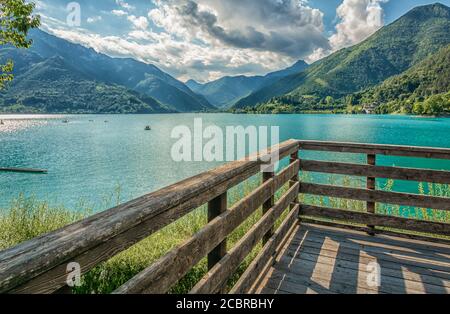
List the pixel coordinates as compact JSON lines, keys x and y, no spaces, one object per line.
{"x":160,"y":276}
{"x":377,"y":149}
{"x":405,"y":199}
{"x":397,"y":233}
{"x":218,"y":275}
{"x":409,"y":174}
{"x":39,"y":265}
{"x":269,"y":251}
{"x":377,"y":220}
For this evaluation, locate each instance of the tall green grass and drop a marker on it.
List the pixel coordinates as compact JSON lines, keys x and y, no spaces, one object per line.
{"x":27,"y":218}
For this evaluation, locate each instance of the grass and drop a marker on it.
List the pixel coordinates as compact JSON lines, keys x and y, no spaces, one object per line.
{"x":27,"y":218}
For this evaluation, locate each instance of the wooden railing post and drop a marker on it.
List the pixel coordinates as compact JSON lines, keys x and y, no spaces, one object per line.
{"x":294,"y":157}
{"x":216,"y":207}
{"x":371,"y":160}
{"x":268,"y":205}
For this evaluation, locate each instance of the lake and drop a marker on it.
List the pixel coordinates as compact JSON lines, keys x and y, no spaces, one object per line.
{"x":91,"y":162}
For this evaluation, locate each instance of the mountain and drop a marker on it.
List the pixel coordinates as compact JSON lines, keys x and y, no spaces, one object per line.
{"x":137,"y":79}
{"x":226,"y":91}
{"x":52,"y":86}
{"x":400,"y":93}
{"x":390,"y":51}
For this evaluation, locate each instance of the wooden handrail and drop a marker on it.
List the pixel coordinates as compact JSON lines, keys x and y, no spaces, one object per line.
{"x":377,"y":149}
{"x":370,"y":194}
{"x":160,"y":276}
{"x":39,"y":265}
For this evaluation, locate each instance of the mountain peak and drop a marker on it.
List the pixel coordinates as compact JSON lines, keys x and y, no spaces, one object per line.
{"x":434,"y":10}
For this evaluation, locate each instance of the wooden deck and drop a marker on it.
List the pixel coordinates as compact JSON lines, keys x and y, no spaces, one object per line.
{"x":319,"y":259}
{"x":316,"y":259}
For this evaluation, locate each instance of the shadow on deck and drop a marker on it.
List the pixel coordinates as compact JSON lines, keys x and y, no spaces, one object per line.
{"x":319,"y":259}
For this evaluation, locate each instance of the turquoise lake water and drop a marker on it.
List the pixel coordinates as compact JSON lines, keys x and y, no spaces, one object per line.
{"x":89,"y":162}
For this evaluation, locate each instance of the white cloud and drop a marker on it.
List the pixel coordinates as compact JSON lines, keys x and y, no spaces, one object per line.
{"x":139,"y":22}
{"x":125,"y":5}
{"x":119,"y":12}
{"x":208,"y":39}
{"x":359,"y":20}
{"x":287,"y":27}
{"x":94,"y":19}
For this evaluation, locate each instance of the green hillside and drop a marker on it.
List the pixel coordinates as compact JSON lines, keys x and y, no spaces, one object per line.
{"x":52,"y":86}
{"x":141,"y":87}
{"x":415,"y":89}
{"x":390,"y":51}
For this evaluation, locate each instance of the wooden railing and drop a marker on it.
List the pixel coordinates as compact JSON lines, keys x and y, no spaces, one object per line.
{"x":40,"y":265}
{"x":372,"y":196}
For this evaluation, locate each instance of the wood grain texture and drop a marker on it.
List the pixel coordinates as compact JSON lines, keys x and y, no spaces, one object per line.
{"x":376,"y":220}
{"x":378,"y":232}
{"x":406,"y":199}
{"x":217,"y":276}
{"x":116,"y":229}
{"x":216,"y":207}
{"x":160,"y":276}
{"x":409,"y":174}
{"x":324,"y":260}
{"x":377,"y":149}
{"x":268,"y":205}
{"x":269,"y":250}
{"x":371,"y":185}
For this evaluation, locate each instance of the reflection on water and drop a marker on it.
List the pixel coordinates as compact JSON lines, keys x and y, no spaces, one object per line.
{"x":89,"y":159}
{"x":14,"y":125}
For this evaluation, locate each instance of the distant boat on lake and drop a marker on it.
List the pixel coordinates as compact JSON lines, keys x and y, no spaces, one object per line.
{"x":148,"y":128}
{"x":65,"y":121}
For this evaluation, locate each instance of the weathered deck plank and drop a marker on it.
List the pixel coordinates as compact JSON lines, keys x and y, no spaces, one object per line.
{"x":320,"y":259}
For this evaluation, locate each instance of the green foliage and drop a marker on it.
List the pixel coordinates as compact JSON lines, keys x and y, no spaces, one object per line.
{"x":16,"y":19}
{"x":53,"y":86}
{"x":345,"y":74}
{"x":423,"y":89}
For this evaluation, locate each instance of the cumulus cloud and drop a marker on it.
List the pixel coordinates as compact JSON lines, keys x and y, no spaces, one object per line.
{"x":288,"y":27}
{"x":359,"y":20}
{"x":139,"y":22}
{"x":208,"y":39}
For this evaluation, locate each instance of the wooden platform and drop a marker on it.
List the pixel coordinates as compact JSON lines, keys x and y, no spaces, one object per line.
{"x":319,"y":259}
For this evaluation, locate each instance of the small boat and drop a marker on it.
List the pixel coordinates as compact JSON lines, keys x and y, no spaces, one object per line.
{"x":65,"y":121}
{"x":106,"y":121}
{"x":148,"y":128}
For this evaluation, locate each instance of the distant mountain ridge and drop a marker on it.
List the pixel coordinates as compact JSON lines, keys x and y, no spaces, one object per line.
{"x":390,"y":51}
{"x":226,"y":91}
{"x":160,"y":91}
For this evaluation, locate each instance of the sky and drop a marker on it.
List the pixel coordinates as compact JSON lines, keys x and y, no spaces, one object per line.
{"x":208,"y":39}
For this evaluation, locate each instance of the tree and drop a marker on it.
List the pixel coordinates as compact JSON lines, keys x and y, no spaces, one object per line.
{"x":16,"y":19}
